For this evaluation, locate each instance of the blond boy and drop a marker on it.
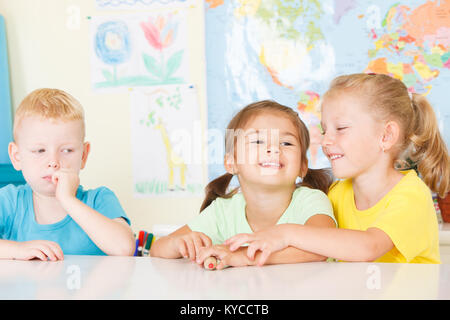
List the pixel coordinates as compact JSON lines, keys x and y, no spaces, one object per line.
{"x":52,"y":215}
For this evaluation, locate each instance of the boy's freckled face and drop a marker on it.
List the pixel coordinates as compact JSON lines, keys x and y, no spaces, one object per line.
{"x":46,"y":145}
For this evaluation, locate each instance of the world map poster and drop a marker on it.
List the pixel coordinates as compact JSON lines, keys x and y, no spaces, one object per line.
{"x":289,"y":51}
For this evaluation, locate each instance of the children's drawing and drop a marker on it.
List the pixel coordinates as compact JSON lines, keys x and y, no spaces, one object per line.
{"x":160,"y":33}
{"x":139,"y":50}
{"x":174,"y":161}
{"x":167,"y":141}
{"x":112,"y":46}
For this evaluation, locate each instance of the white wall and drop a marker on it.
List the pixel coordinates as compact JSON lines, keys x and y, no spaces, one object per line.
{"x":45,"y":52}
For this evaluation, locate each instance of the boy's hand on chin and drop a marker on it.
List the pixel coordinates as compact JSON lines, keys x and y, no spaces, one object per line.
{"x":67,"y":182}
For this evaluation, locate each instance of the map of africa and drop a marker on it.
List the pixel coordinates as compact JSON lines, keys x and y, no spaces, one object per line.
{"x":289,"y":51}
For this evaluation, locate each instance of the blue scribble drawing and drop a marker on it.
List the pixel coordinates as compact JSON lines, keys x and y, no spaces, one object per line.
{"x":112,"y":45}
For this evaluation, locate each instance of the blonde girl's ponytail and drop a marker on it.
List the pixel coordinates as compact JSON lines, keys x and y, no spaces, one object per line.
{"x":429,"y":150}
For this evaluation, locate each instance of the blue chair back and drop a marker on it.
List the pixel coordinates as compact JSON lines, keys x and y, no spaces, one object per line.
{"x":7,"y":173}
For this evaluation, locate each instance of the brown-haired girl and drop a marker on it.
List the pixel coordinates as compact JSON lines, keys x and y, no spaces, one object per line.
{"x":376,"y":134}
{"x":265,"y":148}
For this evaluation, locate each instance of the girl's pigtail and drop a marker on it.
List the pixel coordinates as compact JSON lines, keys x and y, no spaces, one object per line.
{"x":429,"y":149}
{"x":318,"y":179}
{"x":217,"y":188}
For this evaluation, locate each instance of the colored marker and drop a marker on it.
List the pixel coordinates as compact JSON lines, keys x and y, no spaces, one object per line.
{"x":141,"y":243}
{"x":136,"y":250}
{"x":148,"y":244}
{"x":144,"y":240}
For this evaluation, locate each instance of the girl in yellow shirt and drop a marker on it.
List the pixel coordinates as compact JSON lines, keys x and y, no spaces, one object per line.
{"x":372,"y":126}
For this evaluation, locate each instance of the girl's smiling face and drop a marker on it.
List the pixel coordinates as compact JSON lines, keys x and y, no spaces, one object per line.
{"x":267,"y":151}
{"x":351,"y":135}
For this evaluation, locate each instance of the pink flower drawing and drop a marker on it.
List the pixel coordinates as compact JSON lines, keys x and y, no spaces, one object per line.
{"x":160,"y":32}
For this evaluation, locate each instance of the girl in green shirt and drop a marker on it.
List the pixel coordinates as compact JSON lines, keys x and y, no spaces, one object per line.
{"x":265,"y":148}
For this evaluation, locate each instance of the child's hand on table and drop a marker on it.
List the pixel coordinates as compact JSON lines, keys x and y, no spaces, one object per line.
{"x":188,"y":245}
{"x":267,"y":241}
{"x":226,"y":257}
{"x":41,"y":249}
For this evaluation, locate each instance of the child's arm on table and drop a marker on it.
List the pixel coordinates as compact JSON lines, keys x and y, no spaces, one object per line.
{"x":292,"y":254}
{"x":22,"y":250}
{"x":112,"y":236}
{"x":343,"y":244}
{"x":181,"y":243}
{"x":238,"y":257}
{"x":27,"y":250}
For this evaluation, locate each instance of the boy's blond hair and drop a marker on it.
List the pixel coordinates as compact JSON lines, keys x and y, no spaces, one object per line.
{"x":49,"y":104}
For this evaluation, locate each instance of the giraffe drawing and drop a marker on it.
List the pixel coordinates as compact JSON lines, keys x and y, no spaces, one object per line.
{"x":173,"y":160}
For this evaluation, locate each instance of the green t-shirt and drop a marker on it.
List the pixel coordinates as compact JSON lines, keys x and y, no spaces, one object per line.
{"x":224,"y":218}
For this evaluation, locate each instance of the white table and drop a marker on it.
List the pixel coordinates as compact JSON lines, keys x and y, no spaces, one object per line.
{"x":94,"y":277}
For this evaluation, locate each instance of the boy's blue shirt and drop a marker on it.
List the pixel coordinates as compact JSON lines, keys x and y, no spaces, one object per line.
{"x":18,"y":223}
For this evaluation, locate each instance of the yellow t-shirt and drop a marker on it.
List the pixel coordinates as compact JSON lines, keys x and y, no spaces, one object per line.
{"x":406,"y":214}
